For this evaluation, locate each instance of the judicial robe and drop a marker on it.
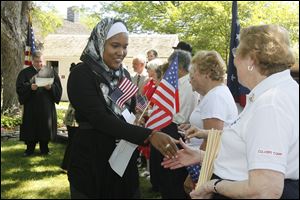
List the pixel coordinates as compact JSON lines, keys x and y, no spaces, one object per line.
{"x":39,"y":120}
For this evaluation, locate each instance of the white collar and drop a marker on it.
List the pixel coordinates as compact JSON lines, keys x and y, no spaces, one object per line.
{"x":35,"y":68}
{"x":184,"y":79}
{"x":268,"y":83}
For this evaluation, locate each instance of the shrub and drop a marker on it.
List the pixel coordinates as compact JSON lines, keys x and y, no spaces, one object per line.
{"x":10,"y":122}
{"x":60,"y":117}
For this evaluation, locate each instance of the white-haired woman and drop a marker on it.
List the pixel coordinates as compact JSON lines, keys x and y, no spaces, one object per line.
{"x":154,"y":77}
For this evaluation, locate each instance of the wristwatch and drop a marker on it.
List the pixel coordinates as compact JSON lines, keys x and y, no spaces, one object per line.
{"x":215,"y":185}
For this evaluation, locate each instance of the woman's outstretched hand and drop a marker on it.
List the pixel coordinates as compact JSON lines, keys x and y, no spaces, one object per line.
{"x":195,"y":132}
{"x":184,"y":157}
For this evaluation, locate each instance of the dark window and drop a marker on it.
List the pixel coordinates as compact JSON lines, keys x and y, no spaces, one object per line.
{"x":53,"y":64}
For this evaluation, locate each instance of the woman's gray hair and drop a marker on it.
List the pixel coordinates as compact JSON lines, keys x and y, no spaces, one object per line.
{"x":184,"y":59}
{"x":154,"y":64}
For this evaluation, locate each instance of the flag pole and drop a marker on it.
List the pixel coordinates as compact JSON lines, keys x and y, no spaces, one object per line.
{"x":144,"y":111}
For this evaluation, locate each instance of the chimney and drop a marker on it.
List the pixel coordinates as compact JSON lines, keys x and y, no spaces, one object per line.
{"x":73,"y":14}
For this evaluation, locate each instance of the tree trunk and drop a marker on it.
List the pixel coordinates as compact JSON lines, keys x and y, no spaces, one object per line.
{"x":14,"y":20}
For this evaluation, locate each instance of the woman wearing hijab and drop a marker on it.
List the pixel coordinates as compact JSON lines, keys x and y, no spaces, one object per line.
{"x":101,"y":124}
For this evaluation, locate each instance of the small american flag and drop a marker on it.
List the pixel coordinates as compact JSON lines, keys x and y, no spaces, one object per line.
{"x":30,"y":45}
{"x":141,"y":102}
{"x":165,"y":98}
{"x":123,"y":92}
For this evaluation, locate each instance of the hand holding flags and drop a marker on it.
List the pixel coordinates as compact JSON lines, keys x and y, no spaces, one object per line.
{"x":165,"y":98}
{"x":211,"y":152}
{"x":123,"y":92}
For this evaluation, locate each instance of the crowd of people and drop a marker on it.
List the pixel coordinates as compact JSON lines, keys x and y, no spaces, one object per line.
{"x":259,"y":152}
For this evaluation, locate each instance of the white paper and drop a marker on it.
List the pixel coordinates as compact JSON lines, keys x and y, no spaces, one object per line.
{"x":129,"y":117}
{"x":41,"y":82}
{"x":120,"y":157}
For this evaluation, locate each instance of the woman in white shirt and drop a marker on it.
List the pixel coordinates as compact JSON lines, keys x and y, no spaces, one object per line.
{"x":216,"y":108}
{"x":259,"y":154}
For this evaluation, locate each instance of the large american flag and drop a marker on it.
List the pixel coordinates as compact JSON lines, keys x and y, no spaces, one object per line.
{"x":237,"y":90}
{"x":165,"y":99}
{"x":30,"y":45}
{"x":123,"y":92}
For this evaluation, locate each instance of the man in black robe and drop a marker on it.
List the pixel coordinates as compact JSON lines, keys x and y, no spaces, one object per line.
{"x":39,"y":121}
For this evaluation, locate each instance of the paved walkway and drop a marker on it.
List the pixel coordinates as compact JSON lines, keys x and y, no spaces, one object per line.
{"x":62,"y":135}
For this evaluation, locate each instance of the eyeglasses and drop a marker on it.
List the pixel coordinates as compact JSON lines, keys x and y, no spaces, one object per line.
{"x":234,"y":52}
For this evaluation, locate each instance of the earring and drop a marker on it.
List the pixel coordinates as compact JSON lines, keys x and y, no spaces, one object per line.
{"x":250,"y":67}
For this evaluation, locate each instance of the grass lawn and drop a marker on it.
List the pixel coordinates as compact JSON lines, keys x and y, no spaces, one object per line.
{"x":39,"y":177}
{"x":36,"y":177}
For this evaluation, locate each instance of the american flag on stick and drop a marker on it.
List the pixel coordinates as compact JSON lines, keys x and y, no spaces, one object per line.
{"x":123,"y":92}
{"x":165,"y":99}
{"x":141,"y":102}
{"x":30,"y":45}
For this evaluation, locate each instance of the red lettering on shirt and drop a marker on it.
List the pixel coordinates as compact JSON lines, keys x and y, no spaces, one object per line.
{"x":269,"y":152}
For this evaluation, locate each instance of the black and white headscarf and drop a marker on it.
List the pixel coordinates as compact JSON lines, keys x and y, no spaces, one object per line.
{"x":93,"y":56}
{"x":95,"y":46}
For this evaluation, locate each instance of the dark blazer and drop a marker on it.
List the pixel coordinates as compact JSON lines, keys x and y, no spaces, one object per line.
{"x":89,"y":171}
{"x":142,"y":82}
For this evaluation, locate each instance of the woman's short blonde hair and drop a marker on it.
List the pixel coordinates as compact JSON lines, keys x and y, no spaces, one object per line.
{"x":269,"y":46}
{"x":211,"y":63}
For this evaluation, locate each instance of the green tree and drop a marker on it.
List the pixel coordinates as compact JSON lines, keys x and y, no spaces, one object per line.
{"x":13,"y":32}
{"x":206,"y":25}
{"x":45,"y":18}
{"x":89,"y":16}
{"x":14,"y":23}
